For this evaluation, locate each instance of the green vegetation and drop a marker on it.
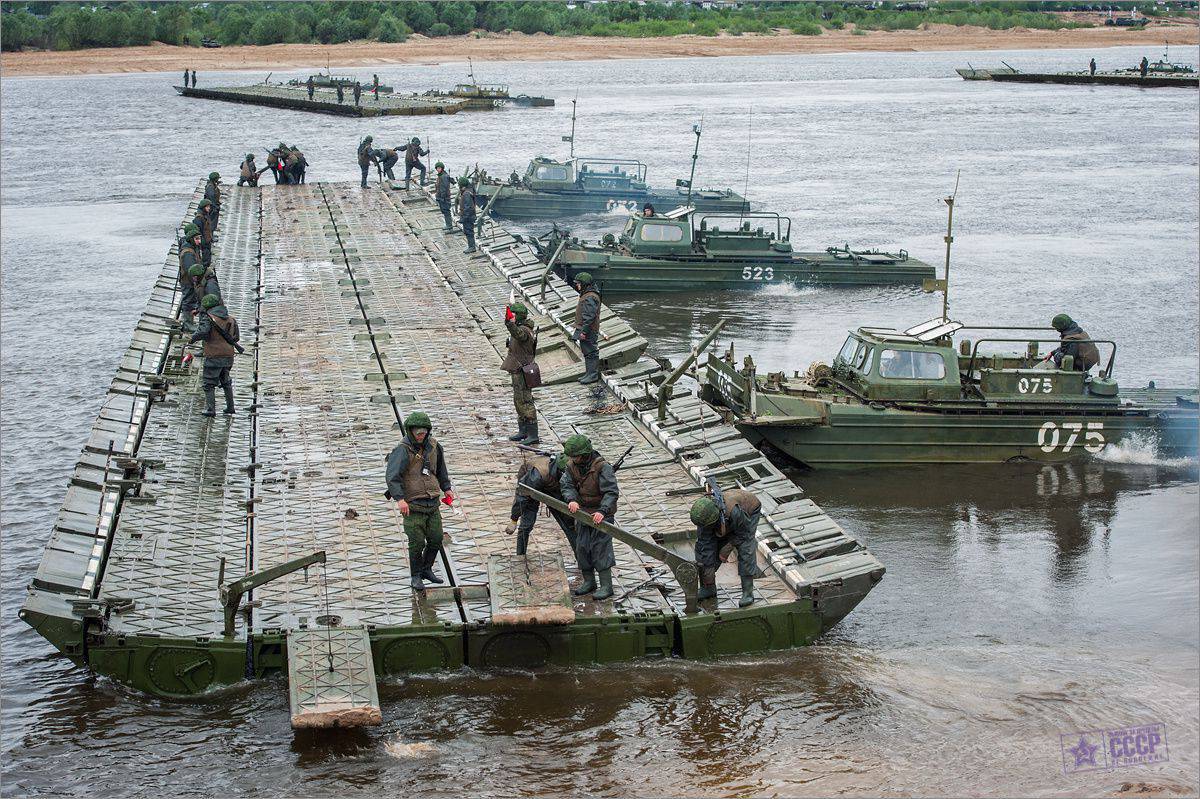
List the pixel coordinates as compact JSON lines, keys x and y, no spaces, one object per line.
{"x":69,"y":26}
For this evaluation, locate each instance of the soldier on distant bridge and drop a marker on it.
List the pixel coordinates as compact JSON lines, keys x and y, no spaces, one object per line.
{"x":310,"y":87}
{"x":357,"y":93}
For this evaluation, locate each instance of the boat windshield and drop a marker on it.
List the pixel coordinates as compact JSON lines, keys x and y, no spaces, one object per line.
{"x":846,"y":354}
{"x":630,"y":226}
{"x":551,"y":173}
{"x":906,"y":365}
{"x":661,"y":233}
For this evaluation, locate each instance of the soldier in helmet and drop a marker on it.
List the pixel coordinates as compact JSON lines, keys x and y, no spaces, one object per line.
{"x":441,"y":192}
{"x":522,"y":346}
{"x":357,"y":92}
{"x":341,"y":95}
{"x":587,"y":326}
{"x":466,"y":211}
{"x":248,"y":176}
{"x":387,"y":158}
{"x":412,"y":160}
{"x":219,"y":332}
{"x":417,"y":479}
{"x":204,"y":280}
{"x":295,"y":165}
{"x":309,"y":85}
{"x":204,"y":221}
{"x":541,"y":472}
{"x":365,"y":158}
{"x":727,"y":517}
{"x":189,"y":256}
{"x":1076,"y":343}
{"x":212,"y":193}
{"x":590,"y":484}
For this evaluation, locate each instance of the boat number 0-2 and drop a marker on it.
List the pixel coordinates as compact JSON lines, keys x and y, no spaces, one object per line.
{"x":758,"y":273}
{"x":1035,"y":385}
{"x":1065,"y":437}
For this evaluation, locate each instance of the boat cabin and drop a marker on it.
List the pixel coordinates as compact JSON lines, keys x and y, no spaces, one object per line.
{"x":588,"y":174}
{"x":676,"y":233}
{"x":921,"y":364}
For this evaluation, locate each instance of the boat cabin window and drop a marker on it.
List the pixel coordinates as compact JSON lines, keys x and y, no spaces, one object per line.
{"x":551,"y":173}
{"x":862,"y":360}
{"x":846,"y":353}
{"x":907,"y":365}
{"x":661,"y":233}
{"x":630,"y":226}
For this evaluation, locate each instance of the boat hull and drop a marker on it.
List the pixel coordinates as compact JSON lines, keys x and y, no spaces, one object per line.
{"x":520,"y":203}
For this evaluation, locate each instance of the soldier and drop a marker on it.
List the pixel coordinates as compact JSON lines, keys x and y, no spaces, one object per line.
{"x":441,"y":193}
{"x":412,"y":160}
{"x":541,"y":472}
{"x":193,"y":78}
{"x":340,"y":95}
{"x":587,"y":326}
{"x":204,"y":221}
{"x":1092,"y":66}
{"x":522,"y":346}
{"x":388,"y":157}
{"x":1076,"y":343}
{"x":185,"y":79}
{"x":375,"y":86}
{"x":248,"y":176}
{"x":309,"y":85}
{"x":204,"y":281}
{"x":189,"y":256}
{"x":357,"y":93}
{"x":365,"y":158}
{"x":1145,"y":66}
{"x":212,"y":193}
{"x":590,"y":484}
{"x":416,"y":479}
{"x":648,"y":210}
{"x":219,"y":332}
{"x":295,"y":165}
{"x":466,"y":212}
{"x":728,"y":517}
{"x":273,"y":163}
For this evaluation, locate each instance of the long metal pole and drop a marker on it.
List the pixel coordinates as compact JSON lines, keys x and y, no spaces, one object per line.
{"x":949,"y":241}
{"x":695,"y":155}
{"x":679,"y":370}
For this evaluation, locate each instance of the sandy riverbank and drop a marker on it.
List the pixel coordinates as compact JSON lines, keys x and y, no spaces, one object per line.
{"x":540,"y":47}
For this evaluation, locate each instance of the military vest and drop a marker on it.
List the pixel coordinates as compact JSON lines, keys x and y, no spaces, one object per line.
{"x":520,"y":353}
{"x":1089,"y":354}
{"x":587,"y":484}
{"x":217,"y":347}
{"x":417,"y":485}
{"x":443,"y":187}
{"x":550,"y":484}
{"x":363,"y":155}
{"x":594,"y":327}
{"x":466,"y":203}
{"x":743,"y":499}
{"x":412,"y":154}
{"x":248,"y":170}
{"x":188,"y":257}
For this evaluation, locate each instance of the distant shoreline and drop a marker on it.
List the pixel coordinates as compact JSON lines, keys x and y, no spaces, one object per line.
{"x":540,"y":47}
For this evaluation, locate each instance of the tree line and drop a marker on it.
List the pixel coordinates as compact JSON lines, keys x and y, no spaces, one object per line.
{"x":70,"y":26}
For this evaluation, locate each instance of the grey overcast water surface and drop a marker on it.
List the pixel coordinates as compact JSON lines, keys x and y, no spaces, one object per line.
{"x":1021,"y":603}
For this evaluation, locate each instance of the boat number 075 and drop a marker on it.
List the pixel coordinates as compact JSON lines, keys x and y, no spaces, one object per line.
{"x":1065,"y":437}
{"x":758,"y":273}
{"x":1035,"y":385}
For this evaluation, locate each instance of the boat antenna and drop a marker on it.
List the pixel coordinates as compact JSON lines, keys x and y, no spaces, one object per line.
{"x":695,"y":154}
{"x":746,"y":188}
{"x":949,"y":240}
{"x":571,"y":138}
{"x":470,"y":69}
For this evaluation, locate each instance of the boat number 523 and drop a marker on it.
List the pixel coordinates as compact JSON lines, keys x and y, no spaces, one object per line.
{"x":758,"y":273}
{"x":1065,"y":437}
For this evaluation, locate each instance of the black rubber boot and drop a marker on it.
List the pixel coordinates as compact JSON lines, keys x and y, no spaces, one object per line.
{"x":522,"y":541}
{"x":427,"y":566}
{"x":708,"y":584}
{"x":415,"y":562}
{"x":531,"y":434}
{"x":592,"y":370}
{"x":589,"y":584}
{"x":605,"y":585}
{"x":521,"y":432}
{"x":210,"y":401}
{"x":747,"y":593}
{"x":229,"y":409}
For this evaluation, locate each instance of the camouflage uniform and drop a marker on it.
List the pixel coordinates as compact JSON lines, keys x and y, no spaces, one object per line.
{"x":218,"y":355}
{"x":541,"y":473}
{"x":417,"y":474}
{"x":522,"y":346}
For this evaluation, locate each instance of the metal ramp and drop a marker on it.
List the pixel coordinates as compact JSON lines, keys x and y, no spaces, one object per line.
{"x":529,"y":589}
{"x":331,"y":678}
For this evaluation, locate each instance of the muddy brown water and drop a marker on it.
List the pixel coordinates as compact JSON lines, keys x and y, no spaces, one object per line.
{"x":1021,"y":602}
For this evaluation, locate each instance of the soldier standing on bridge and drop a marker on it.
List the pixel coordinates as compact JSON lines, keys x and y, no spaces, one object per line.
{"x":193,"y":78}
{"x":1092,"y":66}
{"x":727,"y":518}
{"x":189,"y":255}
{"x":466,"y":212}
{"x":587,"y":326}
{"x":219,"y":332}
{"x":590,"y":484}
{"x":204,"y":222}
{"x":441,"y":193}
{"x":1145,"y":66}
{"x":212,"y":193}
{"x":357,"y":93}
{"x":375,"y":86}
{"x":185,"y":79}
{"x":522,"y":347}
{"x":412,"y":160}
{"x":365,"y":158}
{"x":340,"y":94}
{"x":541,"y":472}
{"x":295,"y":164}
{"x":204,"y":281}
{"x":417,"y":479}
{"x":309,"y":85}
{"x":248,"y":176}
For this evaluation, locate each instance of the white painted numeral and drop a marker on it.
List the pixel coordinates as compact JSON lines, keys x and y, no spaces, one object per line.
{"x":1049,"y":437}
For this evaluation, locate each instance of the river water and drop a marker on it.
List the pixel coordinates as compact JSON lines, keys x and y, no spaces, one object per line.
{"x":1021,"y":604}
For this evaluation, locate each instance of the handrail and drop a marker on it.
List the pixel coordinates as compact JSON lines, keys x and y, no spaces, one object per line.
{"x":550,"y":265}
{"x":782,"y":232}
{"x":684,"y":570}
{"x":682,"y":367}
{"x":1106,"y":373}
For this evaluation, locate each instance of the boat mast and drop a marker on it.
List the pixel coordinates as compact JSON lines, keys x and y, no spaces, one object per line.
{"x":695,"y":155}
{"x":571,"y":138}
{"x":470,"y":70}
{"x":949,"y":240}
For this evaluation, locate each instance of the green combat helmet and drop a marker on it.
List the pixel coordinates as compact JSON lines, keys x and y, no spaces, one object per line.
{"x":463,"y":181}
{"x":577,"y":445}
{"x":210,"y":301}
{"x":249,"y":156}
{"x":439,"y":165}
{"x":561,"y":461}
{"x":519,"y":311}
{"x":705,"y":512}
{"x":415,"y":140}
{"x":196,"y":270}
{"x":190,"y":230}
{"x":204,"y":204}
{"x":418,"y":419}
{"x":583,"y":278}
{"x":1061,"y":322}
{"x":215,"y":177}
